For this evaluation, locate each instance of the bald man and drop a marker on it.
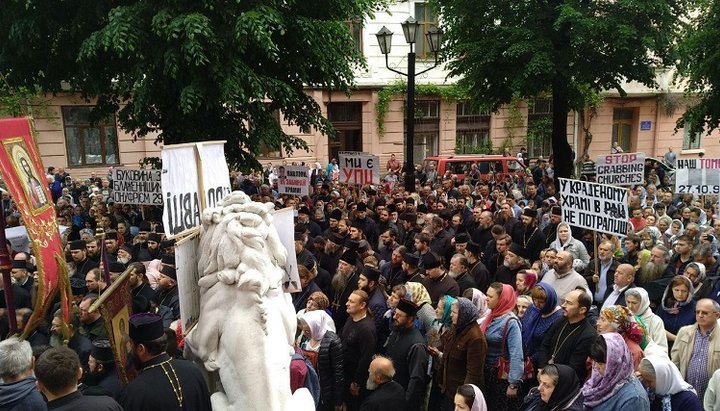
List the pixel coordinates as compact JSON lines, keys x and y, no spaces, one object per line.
{"x":624,"y":280}
{"x":385,"y":394}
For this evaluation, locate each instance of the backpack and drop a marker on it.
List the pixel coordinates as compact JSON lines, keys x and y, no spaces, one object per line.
{"x":312,"y":381}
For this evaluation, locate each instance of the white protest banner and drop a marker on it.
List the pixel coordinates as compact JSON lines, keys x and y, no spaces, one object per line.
{"x":293,"y":180}
{"x":136,"y":186}
{"x":188,"y":170}
{"x":283,"y":220}
{"x":595,"y":206}
{"x":697,"y":176}
{"x":359,"y":168}
{"x":186,"y":267}
{"x":625,"y":169}
{"x":215,"y":171}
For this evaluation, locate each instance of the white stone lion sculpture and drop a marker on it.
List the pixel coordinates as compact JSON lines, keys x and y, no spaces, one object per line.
{"x":247,"y":323}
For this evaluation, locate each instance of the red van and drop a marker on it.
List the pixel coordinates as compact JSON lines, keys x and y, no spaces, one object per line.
{"x":459,"y":164}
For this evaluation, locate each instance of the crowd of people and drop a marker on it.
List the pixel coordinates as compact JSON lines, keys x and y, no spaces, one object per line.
{"x":468,"y":294}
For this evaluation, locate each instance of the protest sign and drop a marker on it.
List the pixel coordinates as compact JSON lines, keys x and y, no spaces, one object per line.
{"x":136,"y":186}
{"x":283,"y":220}
{"x":293,"y":180}
{"x":595,"y":206}
{"x":24,"y":176}
{"x":186,"y":268}
{"x":697,"y":176}
{"x":359,"y":168}
{"x":625,"y":169}
{"x":194,"y":176}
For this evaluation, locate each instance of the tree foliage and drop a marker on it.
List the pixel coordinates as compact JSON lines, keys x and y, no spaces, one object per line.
{"x":698,"y":64}
{"x":189,"y":70}
{"x":563,"y":47}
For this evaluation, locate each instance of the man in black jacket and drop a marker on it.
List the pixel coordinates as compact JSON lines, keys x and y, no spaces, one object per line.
{"x":407,"y":350}
{"x":568,"y":341}
{"x":386,"y":394}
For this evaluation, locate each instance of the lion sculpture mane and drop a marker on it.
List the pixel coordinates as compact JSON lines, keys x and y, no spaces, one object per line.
{"x":247,"y":323}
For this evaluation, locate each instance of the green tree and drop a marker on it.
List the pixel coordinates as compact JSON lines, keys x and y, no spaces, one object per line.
{"x":189,"y":70}
{"x":698,"y":63}
{"x":562,"y":47}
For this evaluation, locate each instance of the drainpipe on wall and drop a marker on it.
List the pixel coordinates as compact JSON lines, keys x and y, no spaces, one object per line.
{"x":656,"y":152}
{"x":576,"y":132}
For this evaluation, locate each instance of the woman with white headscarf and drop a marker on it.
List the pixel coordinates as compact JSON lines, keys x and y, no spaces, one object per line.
{"x":667,"y":390}
{"x":469,"y":398}
{"x":638,"y":301}
{"x":328,"y":349}
{"x":566,"y":242}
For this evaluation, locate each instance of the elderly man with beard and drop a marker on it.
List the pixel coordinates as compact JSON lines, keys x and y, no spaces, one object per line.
{"x":344,"y":282}
{"x":516,"y":259}
{"x":406,"y":348}
{"x":563,"y":278}
{"x":602,"y":281}
{"x":437,"y":281}
{"x":459,"y":271}
{"x":385,"y":394}
{"x":653,"y":276}
{"x":369,"y":281}
{"x":530,"y":236}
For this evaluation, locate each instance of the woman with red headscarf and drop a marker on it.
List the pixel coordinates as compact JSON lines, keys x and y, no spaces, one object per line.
{"x":504,"y":340}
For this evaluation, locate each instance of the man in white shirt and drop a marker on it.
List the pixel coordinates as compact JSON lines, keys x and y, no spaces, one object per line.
{"x":624,"y":279}
{"x":563,"y":278}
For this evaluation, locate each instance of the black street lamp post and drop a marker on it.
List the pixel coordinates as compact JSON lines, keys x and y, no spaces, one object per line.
{"x":434,"y":39}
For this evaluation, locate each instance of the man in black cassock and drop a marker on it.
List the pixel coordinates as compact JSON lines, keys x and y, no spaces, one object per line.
{"x":163,"y":383}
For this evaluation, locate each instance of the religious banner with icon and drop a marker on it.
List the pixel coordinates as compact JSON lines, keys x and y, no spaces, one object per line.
{"x":24,"y":176}
{"x":115,"y":305}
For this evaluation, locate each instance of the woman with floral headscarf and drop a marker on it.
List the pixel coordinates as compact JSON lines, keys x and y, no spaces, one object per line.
{"x":619,"y":319}
{"x":418,"y":294}
{"x":504,"y":339}
{"x":612,"y":385}
{"x":464,"y":351}
{"x":480,"y":300}
{"x":437,"y":336}
{"x":666,"y":387}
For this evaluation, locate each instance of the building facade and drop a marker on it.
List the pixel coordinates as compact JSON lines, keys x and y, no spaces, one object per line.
{"x":643,"y":121}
